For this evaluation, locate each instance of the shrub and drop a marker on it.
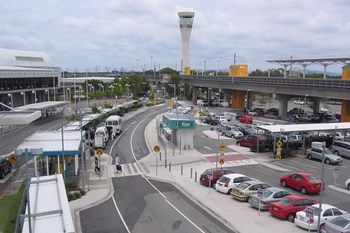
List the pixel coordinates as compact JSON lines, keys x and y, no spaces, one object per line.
{"x":71,"y":185}
{"x":71,"y":196}
{"x":95,"y":109}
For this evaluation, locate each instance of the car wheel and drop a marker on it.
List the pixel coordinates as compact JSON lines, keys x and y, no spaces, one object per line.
{"x":303,"y":190}
{"x":290,"y":217}
{"x":229,"y":191}
{"x":309,"y":156}
{"x":327,"y":161}
{"x":283,"y":183}
{"x":348,"y":186}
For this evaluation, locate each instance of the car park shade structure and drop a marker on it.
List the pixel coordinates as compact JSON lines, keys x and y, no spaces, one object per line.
{"x":18,"y":117}
{"x":305,"y":127}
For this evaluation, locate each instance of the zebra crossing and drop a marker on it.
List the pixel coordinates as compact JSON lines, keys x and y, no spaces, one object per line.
{"x":235,"y":163}
{"x":131,"y":169}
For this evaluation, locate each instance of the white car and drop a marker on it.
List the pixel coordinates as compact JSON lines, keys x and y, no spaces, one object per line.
{"x":251,"y":113}
{"x":228,"y":181}
{"x":328,"y":213}
{"x":223,"y":119}
{"x":224,"y":104}
{"x":347,"y":184}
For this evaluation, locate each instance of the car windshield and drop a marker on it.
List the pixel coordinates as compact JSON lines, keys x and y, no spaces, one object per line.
{"x":243,"y":185}
{"x":313,"y":178}
{"x":267,"y":193}
{"x":224,"y":179}
{"x":285,"y":201}
{"x":340,"y":221}
{"x":327,"y":151}
{"x":315,"y":209}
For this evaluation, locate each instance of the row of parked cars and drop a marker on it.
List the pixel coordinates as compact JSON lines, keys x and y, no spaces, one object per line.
{"x":280,"y":202}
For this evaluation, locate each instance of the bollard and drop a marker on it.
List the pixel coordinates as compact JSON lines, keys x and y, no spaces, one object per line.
{"x":182,"y":169}
{"x":165,"y":163}
{"x":195,"y":176}
{"x":191,"y":173}
{"x":169,"y":166}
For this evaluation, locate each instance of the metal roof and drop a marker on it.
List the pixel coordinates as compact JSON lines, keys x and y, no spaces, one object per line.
{"x":48,"y":200}
{"x":83,"y":79}
{"x":42,"y":105}
{"x":184,"y":117}
{"x":14,"y":57}
{"x":18,"y":117}
{"x":312,"y":60}
{"x":305,"y":127}
{"x":51,"y":142}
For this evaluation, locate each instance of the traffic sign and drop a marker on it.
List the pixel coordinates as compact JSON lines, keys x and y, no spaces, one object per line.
{"x":12,"y":159}
{"x":222,"y":161}
{"x":278,"y":153}
{"x":279,"y":143}
{"x":156,"y":148}
{"x":99,"y":152}
{"x":222,"y":147}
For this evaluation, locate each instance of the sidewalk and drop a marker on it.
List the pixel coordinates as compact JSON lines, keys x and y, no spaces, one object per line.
{"x":239,"y":215}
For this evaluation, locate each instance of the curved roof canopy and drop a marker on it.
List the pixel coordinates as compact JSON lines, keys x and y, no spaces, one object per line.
{"x":24,"y":58}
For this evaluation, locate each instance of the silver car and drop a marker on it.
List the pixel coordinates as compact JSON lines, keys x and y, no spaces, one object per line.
{"x":269,"y":195}
{"x":340,"y":224}
{"x":231,"y":131}
{"x":330,"y":158}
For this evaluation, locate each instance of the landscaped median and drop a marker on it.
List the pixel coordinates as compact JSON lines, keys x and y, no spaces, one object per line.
{"x":9,"y":206}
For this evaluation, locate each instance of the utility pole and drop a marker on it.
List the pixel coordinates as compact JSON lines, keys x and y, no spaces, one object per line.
{"x":234,"y":59}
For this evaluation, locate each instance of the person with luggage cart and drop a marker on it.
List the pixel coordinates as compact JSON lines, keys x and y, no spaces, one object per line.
{"x":118,"y":167}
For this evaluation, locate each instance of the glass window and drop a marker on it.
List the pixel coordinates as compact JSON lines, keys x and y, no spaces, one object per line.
{"x":254,"y":187}
{"x":340,"y":221}
{"x":243,"y":185}
{"x":293,"y":176}
{"x":336,"y":212}
{"x":327,"y":213}
{"x":313,"y":178}
{"x":267,"y":193}
{"x":245,"y":178}
{"x":224,"y":179}
{"x":285,"y":201}
{"x":238,"y":180}
{"x":285,"y":193}
{"x":299,"y":203}
{"x":308,"y":202}
{"x":277,"y":195}
{"x":264,"y":186}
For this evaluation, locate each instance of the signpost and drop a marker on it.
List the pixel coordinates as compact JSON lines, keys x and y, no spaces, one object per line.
{"x":336,"y":174}
{"x":99,"y":152}
{"x":13,"y":159}
{"x":210,"y":177}
{"x":310,"y":215}
{"x":222,"y":161}
{"x":279,"y":145}
{"x":156,"y":149}
{"x":222,"y":147}
{"x":260,"y":193}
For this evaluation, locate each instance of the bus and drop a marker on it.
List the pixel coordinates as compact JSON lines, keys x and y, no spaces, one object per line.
{"x":114,"y":123}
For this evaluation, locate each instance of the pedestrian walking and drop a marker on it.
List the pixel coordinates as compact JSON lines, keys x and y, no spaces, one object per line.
{"x":118,"y":167}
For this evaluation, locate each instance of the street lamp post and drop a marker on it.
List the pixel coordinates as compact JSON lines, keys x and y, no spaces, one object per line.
{"x":24,"y":97}
{"x":322,"y":186}
{"x":127,"y":89}
{"x":11,"y":98}
{"x":35,"y":100}
{"x":305,"y":107}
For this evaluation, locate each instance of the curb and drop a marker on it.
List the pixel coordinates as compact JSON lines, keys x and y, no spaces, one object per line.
{"x":195,"y":200}
{"x":341,"y":190}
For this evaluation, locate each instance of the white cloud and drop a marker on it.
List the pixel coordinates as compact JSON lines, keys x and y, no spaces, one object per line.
{"x":118,"y":33}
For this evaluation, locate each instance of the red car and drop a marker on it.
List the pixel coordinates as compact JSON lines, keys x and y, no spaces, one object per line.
{"x":288,"y":206}
{"x":246,"y":119}
{"x":216,"y":174}
{"x":304,"y":182}
{"x":250,"y":140}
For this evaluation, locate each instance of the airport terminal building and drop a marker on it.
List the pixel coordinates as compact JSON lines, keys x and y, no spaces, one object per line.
{"x":27,"y":77}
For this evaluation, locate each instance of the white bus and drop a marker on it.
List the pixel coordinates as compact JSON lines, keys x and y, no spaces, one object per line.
{"x":101,"y":137}
{"x":115,"y":122}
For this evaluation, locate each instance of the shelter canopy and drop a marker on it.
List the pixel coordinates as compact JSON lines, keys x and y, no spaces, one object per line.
{"x":305,"y":127}
{"x":18,"y":117}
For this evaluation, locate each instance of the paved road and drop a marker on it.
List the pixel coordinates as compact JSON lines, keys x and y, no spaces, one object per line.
{"x":144,"y":209}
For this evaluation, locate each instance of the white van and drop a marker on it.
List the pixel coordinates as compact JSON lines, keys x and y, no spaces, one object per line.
{"x":115,"y":122}
{"x":101,"y":137}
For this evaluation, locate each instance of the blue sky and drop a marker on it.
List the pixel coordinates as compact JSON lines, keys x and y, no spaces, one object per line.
{"x":127,"y":33}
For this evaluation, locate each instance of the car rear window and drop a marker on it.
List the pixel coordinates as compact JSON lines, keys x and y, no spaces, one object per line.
{"x":313,"y":178}
{"x":266,"y":193}
{"x":340,"y":221}
{"x":315,"y":209}
{"x":243,"y":185}
{"x":224,"y":179}
{"x":285,"y":201}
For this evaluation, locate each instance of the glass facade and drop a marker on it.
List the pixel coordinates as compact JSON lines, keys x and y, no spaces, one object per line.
{"x":9,"y":84}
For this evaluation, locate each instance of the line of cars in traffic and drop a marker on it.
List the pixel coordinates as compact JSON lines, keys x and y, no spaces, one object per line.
{"x":301,"y":209}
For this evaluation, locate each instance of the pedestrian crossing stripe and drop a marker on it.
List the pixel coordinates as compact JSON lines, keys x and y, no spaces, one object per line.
{"x":236,"y":163}
{"x":131,"y":169}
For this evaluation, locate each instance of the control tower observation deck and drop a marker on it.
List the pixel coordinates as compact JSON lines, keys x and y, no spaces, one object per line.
{"x":186,"y":22}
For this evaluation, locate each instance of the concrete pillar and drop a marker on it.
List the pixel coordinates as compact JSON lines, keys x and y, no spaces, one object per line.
{"x":250,"y":98}
{"x":345,"y":106}
{"x":316,"y":106}
{"x":283,"y":100}
{"x":325,"y":71}
{"x":209,"y":94}
{"x":304,"y":70}
{"x":238,"y":100}
{"x":194,"y":93}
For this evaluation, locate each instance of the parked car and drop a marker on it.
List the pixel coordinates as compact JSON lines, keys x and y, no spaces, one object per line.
{"x":251,"y":113}
{"x":328,"y":212}
{"x":227,"y":182}
{"x":215,"y":173}
{"x":288,"y":206}
{"x":223,"y":119}
{"x":341,"y":148}
{"x":232,"y":132}
{"x":245,"y":119}
{"x":304,"y":182}
{"x":5,"y":167}
{"x":243,"y":129}
{"x":347,"y":184}
{"x":339,"y":136}
{"x":272,"y":111}
{"x":212,"y":121}
{"x":329,"y":157}
{"x":243,"y":191}
{"x":224,"y":104}
{"x":250,"y":140}
{"x":259,"y":111}
{"x":269,"y":195}
{"x":340,"y":224}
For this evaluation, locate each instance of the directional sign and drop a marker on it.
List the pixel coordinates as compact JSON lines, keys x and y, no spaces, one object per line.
{"x":222,"y":147}
{"x":222,"y":161}
{"x":279,"y":143}
{"x":156,"y":148}
{"x":13,"y":159}
{"x":99,"y":152}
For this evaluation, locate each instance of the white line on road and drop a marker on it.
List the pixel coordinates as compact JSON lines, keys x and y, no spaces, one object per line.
{"x":117,"y":139}
{"x":120,"y":215}
{"x":208,"y":148}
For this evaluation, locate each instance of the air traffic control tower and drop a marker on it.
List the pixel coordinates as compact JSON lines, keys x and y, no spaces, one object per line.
{"x":186,"y":22}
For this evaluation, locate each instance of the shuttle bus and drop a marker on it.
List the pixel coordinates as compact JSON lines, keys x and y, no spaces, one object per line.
{"x":114,"y":122}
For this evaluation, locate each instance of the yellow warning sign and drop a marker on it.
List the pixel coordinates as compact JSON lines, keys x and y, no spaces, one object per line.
{"x":156,"y":148}
{"x":279,"y":143}
{"x":222,"y":147}
{"x":99,"y":152}
{"x":13,"y":159}
{"x":278,"y":153}
{"x":222,"y":161}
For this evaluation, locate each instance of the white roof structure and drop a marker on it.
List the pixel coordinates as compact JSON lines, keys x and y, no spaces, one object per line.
{"x":49,"y":208}
{"x":80,"y":80}
{"x":51,"y":142}
{"x":305,"y":127}
{"x":18,"y":117}
{"x":42,"y":105}
{"x":24,"y":58}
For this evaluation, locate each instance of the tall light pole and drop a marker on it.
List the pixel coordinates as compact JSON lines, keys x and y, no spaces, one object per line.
{"x":322,"y":186}
{"x":47,"y":91}
{"x":11,"y":98}
{"x":34,"y":92}
{"x":127,"y":89}
{"x":24,"y":97}
{"x":217,"y":69}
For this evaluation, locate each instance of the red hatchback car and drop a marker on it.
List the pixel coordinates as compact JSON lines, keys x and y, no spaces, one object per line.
{"x":288,"y":206}
{"x":250,"y":140}
{"x":304,"y":182}
{"x":216,"y":174}
{"x":246,"y":119}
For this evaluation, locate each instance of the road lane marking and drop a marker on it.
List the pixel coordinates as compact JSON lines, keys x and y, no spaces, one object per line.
{"x":117,"y":139}
{"x":306,"y":165}
{"x":120,"y":215}
{"x":208,"y":148}
{"x":177,"y":210}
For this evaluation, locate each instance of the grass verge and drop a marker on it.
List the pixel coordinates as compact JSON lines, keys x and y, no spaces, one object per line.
{"x":9,"y":206}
